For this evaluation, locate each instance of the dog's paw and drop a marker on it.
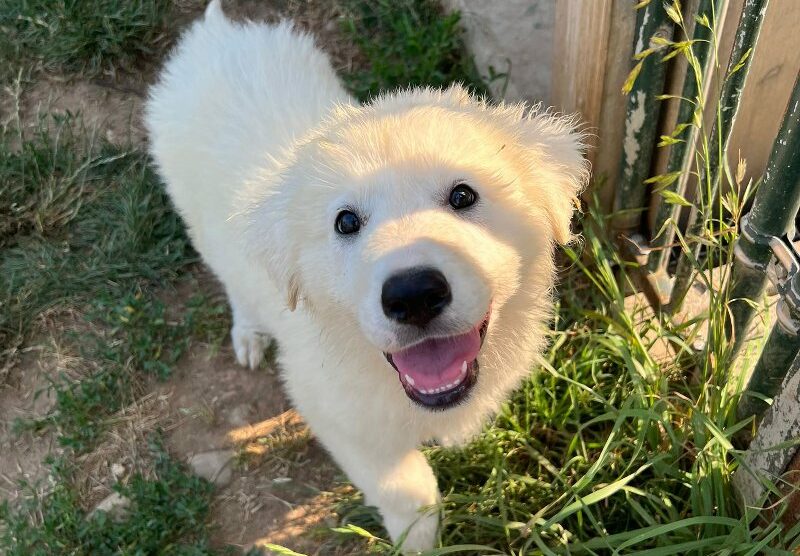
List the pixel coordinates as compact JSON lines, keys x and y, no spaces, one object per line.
{"x":249,"y":345}
{"x":422,"y":534}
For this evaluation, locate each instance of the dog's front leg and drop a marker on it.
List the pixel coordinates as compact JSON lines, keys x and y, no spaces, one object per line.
{"x":400,"y":482}
{"x":249,"y":334}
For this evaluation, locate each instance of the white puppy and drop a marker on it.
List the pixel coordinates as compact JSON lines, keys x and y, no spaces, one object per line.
{"x":401,"y":252}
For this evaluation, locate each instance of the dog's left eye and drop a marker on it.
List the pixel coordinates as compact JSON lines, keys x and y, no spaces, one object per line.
{"x":347,"y":222}
{"x":462,"y":196}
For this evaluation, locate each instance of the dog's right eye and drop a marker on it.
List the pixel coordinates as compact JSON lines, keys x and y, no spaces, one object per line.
{"x":462,"y":196}
{"x":347,"y":222}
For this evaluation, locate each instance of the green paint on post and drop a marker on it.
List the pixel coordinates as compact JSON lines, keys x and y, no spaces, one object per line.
{"x":779,"y":352}
{"x":641,"y":118}
{"x":776,"y":203}
{"x":744,"y":46}
{"x":681,"y":155}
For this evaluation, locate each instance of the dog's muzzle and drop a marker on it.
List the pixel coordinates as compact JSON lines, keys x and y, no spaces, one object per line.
{"x":439,"y":373}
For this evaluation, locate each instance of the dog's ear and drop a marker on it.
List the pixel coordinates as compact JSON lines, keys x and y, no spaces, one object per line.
{"x":269,"y":238}
{"x":555,"y":151}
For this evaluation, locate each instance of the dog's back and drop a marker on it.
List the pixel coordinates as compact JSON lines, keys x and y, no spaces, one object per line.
{"x":230,"y":98}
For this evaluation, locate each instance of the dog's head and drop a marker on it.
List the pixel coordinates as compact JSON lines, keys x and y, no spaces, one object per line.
{"x":420,"y":216}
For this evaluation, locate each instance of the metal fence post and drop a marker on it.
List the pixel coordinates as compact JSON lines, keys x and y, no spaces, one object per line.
{"x":775,"y":206}
{"x":641,"y":119}
{"x":783,"y":343}
{"x":744,"y":45}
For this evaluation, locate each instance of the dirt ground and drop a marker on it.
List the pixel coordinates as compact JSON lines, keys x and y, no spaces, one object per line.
{"x":278,"y":485}
{"x":24,"y":396}
{"x":282,"y":484}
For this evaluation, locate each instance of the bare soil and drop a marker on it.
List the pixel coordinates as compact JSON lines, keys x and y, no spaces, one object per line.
{"x":283,"y":483}
{"x":24,"y":397}
{"x":111,"y":111}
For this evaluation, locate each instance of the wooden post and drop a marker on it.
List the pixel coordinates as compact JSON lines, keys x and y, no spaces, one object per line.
{"x":592,"y":40}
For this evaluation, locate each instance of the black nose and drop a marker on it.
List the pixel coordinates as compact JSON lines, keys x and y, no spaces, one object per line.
{"x":415,"y":296}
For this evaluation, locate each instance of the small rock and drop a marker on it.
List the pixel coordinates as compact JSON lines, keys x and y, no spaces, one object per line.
{"x":214,"y":466}
{"x":115,"y":505}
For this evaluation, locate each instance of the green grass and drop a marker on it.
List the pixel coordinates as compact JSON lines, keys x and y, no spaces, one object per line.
{"x":42,"y":183}
{"x":168,"y":514}
{"x":407,"y":43}
{"x":82,"y":221}
{"x":87,"y":36}
{"x":88,"y":228}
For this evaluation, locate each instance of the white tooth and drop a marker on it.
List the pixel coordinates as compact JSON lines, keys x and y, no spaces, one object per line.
{"x":450,"y":385}
{"x":464,"y":367}
{"x":409,"y":380}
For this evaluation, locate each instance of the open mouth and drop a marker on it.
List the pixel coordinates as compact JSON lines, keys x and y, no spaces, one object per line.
{"x":439,"y":373}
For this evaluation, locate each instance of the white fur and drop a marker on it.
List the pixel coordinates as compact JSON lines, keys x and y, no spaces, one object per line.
{"x":260,"y":147}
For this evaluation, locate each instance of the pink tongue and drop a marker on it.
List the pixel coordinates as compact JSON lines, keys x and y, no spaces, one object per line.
{"x":437,"y":362}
